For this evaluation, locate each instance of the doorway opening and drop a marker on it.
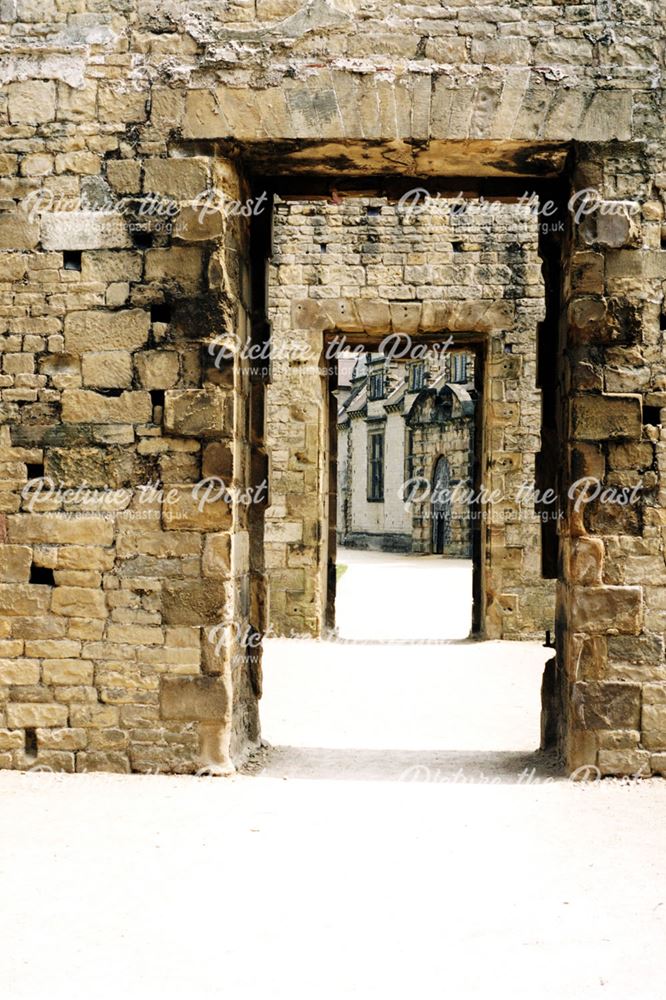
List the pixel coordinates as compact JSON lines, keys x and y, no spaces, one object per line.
{"x":440,"y":506}
{"x":404,"y":469}
{"x":346,"y":277}
{"x":394,"y":274}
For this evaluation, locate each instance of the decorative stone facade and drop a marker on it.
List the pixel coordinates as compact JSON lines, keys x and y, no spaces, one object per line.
{"x":109,"y":100}
{"x":426,"y":425}
{"x":441,"y":425}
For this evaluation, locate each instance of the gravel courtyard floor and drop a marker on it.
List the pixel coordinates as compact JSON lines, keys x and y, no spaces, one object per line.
{"x":401,"y":838}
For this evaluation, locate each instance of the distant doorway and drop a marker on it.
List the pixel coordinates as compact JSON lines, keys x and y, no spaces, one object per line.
{"x":441,"y":506}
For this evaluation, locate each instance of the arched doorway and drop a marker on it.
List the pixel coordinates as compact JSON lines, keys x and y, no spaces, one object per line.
{"x":440,"y":506}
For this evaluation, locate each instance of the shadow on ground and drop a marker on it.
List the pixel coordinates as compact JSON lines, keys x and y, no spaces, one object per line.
{"x":424,"y":766}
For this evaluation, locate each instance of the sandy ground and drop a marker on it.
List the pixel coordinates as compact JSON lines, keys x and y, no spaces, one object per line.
{"x":402,"y":840}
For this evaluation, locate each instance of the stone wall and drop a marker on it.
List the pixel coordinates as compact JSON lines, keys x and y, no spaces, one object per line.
{"x":113,"y":569}
{"x":103,"y":95}
{"x":612,"y":592}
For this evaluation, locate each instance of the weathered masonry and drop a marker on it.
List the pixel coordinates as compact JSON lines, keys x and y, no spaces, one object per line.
{"x":124,"y":626}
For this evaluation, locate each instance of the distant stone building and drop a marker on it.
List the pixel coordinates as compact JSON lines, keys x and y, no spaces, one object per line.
{"x":405,"y":441}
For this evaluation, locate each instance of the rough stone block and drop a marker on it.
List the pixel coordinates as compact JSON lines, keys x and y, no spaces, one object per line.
{"x":31,"y":102}
{"x":183,"y":179}
{"x":193,"y":226}
{"x":9,"y":647}
{"x":635,"y":456}
{"x":12,"y":739}
{"x":98,"y":467}
{"x":118,"y":103}
{"x":604,"y":417}
{"x":157,"y":369}
{"x":107,"y":369}
{"x":607,"y":705}
{"x":36,"y":10}
{"x":203,"y":117}
{"x":654,"y":726}
{"x":618,"y":739}
{"x":628,"y":762}
{"x":610,"y":228}
{"x":640,"y":650}
{"x":198,"y":507}
{"x":586,"y":561}
{"x":77,"y":103}
{"x":124,"y":176}
{"x":194,"y":699}
{"x":61,"y":739}
{"x":53,"y":648}
{"x":217,"y":555}
{"x":218,"y":460}
{"x":15,"y":562}
{"x":19,"y":671}
{"x":81,"y":406}
{"x":31,"y":716}
{"x":79,"y":602}
{"x":180,"y":265}
{"x":507,"y":49}
{"x":67,"y":672}
{"x":98,"y":330}
{"x":106,"y":761}
{"x":612,"y":519}
{"x":113,"y":266}
{"x":78,"y":161}
{"x":59,"y":529}
{"x":18,"y":231}
{"x":37,"y":165}
{"x":94,"y":716}
{"x":193,"y":602}
{"x":284,"y":531}
{"x":24,"y":599}
{"x":83,"y":230}
{"x":607,"y":116}
{"x":214,"y":743}
{"x":139,"y":635}
{"x":607,"y":609}
{"x":197,"y":412}
{"x":654,"y":694}
{"x":161,"y":544}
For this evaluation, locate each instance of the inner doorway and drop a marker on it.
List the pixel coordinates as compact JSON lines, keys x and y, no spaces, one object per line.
{"x":440,"y":506}
{"x":401,"y":487}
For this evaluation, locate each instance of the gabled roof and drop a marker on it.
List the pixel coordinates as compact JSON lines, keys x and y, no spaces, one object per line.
{"x":360,"y":369}
{"x":462,"y":392}
{"x":395,"y":398}
{"x":358,"y":402}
